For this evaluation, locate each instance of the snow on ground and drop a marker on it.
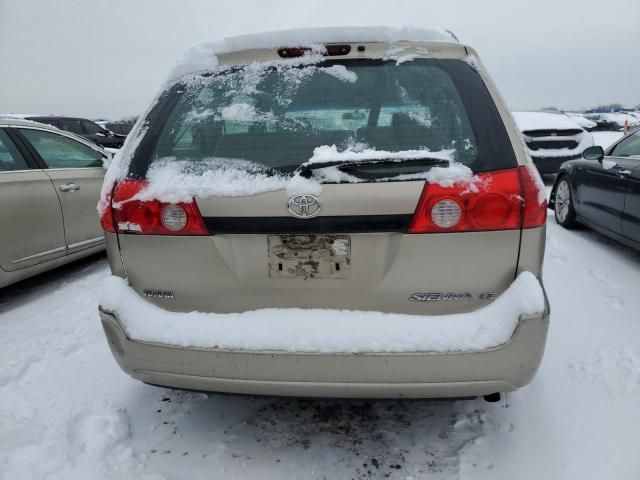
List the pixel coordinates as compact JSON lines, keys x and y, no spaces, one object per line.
{"x":68,"y":412}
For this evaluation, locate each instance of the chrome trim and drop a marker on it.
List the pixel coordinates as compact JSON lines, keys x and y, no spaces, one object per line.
{"x":69,"y":187}
{"x":41,"y":254}
{"x":86,"y":243}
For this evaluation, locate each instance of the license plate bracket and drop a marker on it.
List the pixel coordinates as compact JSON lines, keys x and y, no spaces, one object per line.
{"x":309,"y":256}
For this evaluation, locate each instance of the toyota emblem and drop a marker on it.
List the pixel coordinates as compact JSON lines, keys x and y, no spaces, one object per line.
{"x":304,"y":206}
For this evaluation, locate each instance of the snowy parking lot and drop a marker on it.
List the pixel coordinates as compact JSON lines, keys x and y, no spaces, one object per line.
{"x":68,"y":412}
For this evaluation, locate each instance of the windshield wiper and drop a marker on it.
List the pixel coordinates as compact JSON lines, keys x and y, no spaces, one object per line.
{"x":306,"y":169}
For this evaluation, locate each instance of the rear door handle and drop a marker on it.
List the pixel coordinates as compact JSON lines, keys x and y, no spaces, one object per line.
{"x":69,"y":187}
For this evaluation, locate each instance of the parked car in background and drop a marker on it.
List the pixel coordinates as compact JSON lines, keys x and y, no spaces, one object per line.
{"x":119,"y":128}
{"x":83,"y":127}
{"x":613,"y":121}
{"x":602,"y":191}
{"x":581,"y":120}
{"x":552,"y":138}
{"x":49,"y":186}
{"x":335,"y":179}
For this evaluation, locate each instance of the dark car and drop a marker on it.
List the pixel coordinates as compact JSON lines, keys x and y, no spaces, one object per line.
{"x":83,"y":127}
{"x":119,"y":128}
{"x":602,"y":190}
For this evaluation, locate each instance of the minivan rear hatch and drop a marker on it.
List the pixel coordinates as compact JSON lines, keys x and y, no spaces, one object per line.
{"x":360,"y":183}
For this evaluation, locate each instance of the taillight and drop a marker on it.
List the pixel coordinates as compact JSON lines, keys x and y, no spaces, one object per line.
{"x":330,"y":51}
{"x":106,"y":217}
{"x":501,"y":200}
{"x":151,"y":217}
{"x":534,"y":212}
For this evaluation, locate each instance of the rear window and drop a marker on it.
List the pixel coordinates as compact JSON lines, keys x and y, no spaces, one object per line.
{"x":275,"y":117}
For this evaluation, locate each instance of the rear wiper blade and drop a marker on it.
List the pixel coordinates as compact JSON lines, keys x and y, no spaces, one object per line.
{"x":306,"y":169}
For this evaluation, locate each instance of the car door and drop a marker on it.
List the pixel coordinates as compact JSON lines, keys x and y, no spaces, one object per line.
{"x":601,"y":187}
{"x":32,"y":229}
{"x":627,"y":153}
{"x":77,"y":171}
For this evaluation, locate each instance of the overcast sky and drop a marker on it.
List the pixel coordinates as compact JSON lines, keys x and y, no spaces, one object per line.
{"x":107,"y":58}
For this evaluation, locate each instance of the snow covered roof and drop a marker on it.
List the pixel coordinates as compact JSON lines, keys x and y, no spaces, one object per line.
{"x":581,"y":120}
{"x":544,"y":121}
{"x":203,"y":56}
{"x":19,"y":121}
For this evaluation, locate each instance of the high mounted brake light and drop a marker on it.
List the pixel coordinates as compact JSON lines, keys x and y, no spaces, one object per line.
{"x":501,"y":200}
{"x":152,"y":217}
{"x":330,"y":51}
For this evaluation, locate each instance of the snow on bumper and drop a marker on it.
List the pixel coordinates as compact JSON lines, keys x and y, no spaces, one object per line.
{"x":520,"y":316}
{"x":326,"y":331}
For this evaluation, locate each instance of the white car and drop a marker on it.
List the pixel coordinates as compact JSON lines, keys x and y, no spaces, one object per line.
{"x":614,"y":120}
{"x":552,"y":138}
{"x":581,"y":120}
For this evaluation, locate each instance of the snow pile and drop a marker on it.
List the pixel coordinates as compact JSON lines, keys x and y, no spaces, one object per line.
{"x":341,"y":73}
{"x":316,"y":330}
{"x":180,"y":181}
{"x":204,"y":56}
{"x":171,"y":180}
{"x":330,"y":153}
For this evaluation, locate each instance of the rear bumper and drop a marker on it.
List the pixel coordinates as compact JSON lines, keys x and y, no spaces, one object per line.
{"x":369,"y":375}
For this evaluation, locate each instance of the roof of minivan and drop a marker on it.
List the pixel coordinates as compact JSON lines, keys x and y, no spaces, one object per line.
{"x":203,"y":56}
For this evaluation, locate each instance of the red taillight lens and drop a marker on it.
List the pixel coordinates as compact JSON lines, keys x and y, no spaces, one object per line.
{"x":335,"y":50}
{"x":106,"y":217}
{"x":534,"y":212}
{"x":152,"y":217}
{"x":292,"y":52}
{"x":502,"y":200}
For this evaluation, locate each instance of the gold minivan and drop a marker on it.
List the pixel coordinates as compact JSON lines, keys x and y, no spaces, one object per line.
{"x":50,"y":181}
{"x":327,"y":212}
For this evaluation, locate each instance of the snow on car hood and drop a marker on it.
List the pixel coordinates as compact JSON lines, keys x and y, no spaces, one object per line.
{"x":544,"y":121}
{"x":584,"y":122}
{"x":317,"y":330}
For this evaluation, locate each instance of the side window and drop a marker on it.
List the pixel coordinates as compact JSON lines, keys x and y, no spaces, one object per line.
{"x":59,"y":151}
{"x":10,"y":158}
{"x":629,"y":147}
{"x":90,"y":128}
{"x":114,"y":127}
{"x":71,"y":125}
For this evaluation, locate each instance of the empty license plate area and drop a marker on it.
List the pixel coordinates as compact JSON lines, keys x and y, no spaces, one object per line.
{"x":309,"y":256}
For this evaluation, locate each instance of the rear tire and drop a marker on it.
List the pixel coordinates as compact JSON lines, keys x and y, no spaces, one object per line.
{"x":565,"y":212}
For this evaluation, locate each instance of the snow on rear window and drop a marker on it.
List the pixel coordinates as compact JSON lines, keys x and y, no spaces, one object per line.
{"x":172,"y":180}
{"x":276,"y":114}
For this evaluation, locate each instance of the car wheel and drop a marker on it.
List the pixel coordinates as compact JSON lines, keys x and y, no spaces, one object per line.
{"x":564,"y":210}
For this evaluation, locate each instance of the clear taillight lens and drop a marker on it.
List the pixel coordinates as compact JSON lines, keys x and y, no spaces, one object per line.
{"x":446,"y":213}
{"x":174,"y":218}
